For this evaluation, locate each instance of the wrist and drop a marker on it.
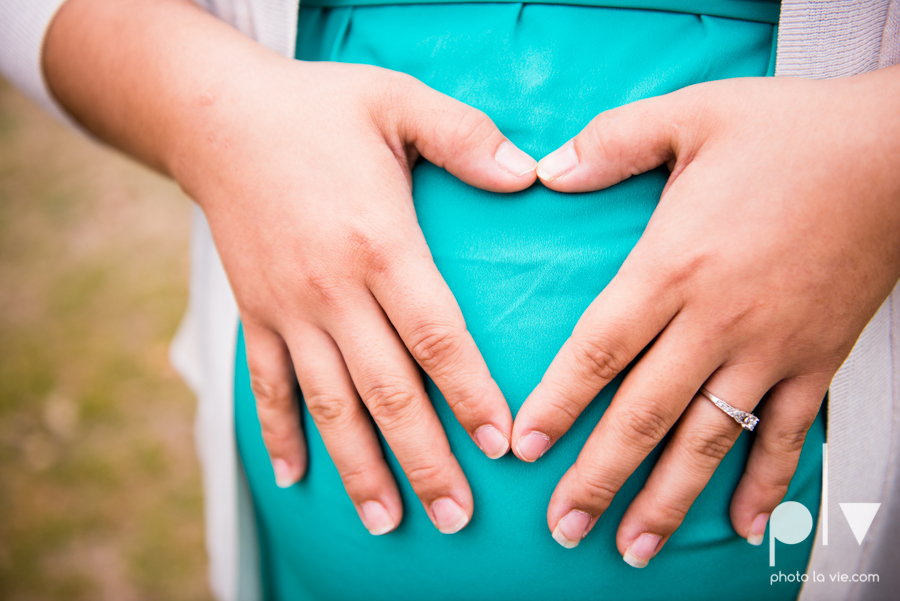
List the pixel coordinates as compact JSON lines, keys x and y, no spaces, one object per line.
{"x":218,"y":116}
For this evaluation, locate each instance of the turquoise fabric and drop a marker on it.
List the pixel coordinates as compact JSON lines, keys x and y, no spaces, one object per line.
{"x":523,"y":267}
{"x":764,"y":11}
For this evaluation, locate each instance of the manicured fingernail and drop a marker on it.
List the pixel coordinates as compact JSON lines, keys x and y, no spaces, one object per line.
{"x":448,"y":516}
{"x":532,"y":446}
{"x":571,"y":528}
{"x":758,"y":529}
{"x":492,"y":441}
{"x":642,"y":550}
{"x":558,"y":163}
{"x":514,"y":161}
{"x":284,"y":473}
{"x":376,"y":518}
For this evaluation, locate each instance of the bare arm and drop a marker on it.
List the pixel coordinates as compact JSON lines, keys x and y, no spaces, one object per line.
{"x":142,"y":75}
{"x":303,"y":171}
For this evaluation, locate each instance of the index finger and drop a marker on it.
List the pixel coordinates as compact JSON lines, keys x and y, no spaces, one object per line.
{"x":649,"y":402}
{"x":621,"y":321}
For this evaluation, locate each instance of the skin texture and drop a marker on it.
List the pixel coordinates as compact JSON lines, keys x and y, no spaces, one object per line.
{"x":775,"y":241}
{"x":303,"y":172}
{"x":773,"y":245}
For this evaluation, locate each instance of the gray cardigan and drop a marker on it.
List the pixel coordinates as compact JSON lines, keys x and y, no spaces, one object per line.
{"x":817,"y":39}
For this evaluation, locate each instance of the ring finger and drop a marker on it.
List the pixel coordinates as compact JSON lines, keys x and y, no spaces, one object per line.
{"x":703,"y":436}
{"x":346,"y":430}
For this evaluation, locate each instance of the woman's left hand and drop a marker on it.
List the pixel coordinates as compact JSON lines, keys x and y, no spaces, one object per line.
{"x":775,"y":241}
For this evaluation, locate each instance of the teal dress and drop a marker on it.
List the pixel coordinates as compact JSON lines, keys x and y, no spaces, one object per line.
{"x":523,"y":268}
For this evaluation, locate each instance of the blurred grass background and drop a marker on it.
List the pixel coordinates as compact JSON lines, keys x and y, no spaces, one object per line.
{"x":100,"y":494}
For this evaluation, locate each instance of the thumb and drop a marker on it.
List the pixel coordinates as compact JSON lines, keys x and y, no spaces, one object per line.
{"x":615,"y":145}
{"x":464,"y":141}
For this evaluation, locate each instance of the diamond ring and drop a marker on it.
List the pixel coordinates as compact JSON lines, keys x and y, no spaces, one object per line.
{"x":747,"y":421}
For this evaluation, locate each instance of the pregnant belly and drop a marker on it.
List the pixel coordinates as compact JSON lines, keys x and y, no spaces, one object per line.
{"x":523,"y":268}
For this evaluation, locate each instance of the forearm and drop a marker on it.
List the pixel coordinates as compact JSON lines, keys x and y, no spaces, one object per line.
{"x":148,"y":76}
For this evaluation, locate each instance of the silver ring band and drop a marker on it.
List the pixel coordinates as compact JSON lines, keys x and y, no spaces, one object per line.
{"x":747,"y":421}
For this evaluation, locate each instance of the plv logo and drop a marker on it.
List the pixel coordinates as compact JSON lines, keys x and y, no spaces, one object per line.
{"x":791,"y":522}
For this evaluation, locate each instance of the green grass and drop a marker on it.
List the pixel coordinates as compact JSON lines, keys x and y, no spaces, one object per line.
{"x":99,"y":485}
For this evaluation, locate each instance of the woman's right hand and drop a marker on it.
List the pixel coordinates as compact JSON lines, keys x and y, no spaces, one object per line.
{"x":304,"y":173}
{"x":307,"y":189}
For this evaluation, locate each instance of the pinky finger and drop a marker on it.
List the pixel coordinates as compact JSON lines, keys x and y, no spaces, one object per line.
{"x":785,"y":418}
{"x":273,"y":383}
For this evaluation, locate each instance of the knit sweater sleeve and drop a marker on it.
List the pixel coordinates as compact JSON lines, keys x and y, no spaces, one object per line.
{"x":23,"y":26}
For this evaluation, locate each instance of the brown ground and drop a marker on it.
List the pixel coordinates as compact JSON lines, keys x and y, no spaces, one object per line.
{"x":99,"y":485}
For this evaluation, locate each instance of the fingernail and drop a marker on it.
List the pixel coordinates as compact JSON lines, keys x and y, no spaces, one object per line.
{"x":512,"y":160}
{"x":284,"y":473}
{"x":758,"y":529}
{"x":571,"y":528}
{"x":376,"y":518}
{"x":558,"y":163}
{"x":532,"y":446}
{"x":448,"y":516}
{"x":492,"y":441}
{"x":642,"y":550}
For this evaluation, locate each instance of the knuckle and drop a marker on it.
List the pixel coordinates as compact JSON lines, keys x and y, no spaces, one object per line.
{"x":434,"y":347}
{"x":270,"y":394}
{"x":772,"y":481}
{"x":428,"y":477}
{"x":709,"y":447}
{"x":466,"y":407}
{"x":682,"y":266}
{"x":356,"y":479}
{"x":669,"y":514}
{"x":776,"y":465}
{"x":563,"y":406}
{"x":327,"y":409}
{"x":778,"y":484}
{"x":472,"y":129}
{"x":672,"y":268}
{"x":735,"y":320}
{"x":390,"y":404}
{"x":643,"y":425}
{"x":598,"y":489}
{"x":469,"y":403}
{"x":599,"y":359}
{"x":364,"y":249}
{"x":788,"y":443}
{"x":325,"y":286}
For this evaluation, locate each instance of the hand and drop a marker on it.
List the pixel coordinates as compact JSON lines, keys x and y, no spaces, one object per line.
{"x":303,"y":171}
{"x":776,"y":239}
{"x":309,"y":201}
